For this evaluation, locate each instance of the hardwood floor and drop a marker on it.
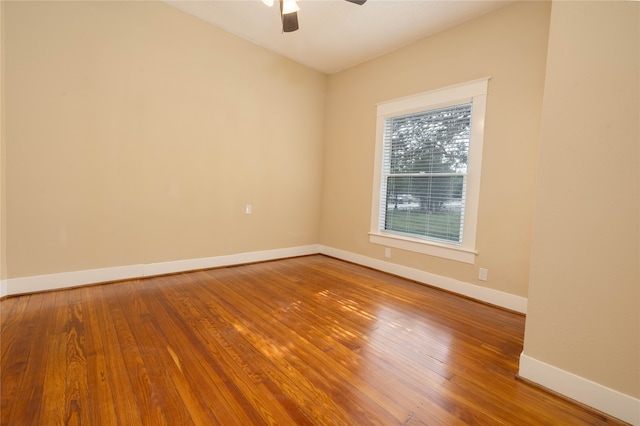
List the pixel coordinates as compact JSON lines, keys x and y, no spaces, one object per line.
{"x":302,"y":341}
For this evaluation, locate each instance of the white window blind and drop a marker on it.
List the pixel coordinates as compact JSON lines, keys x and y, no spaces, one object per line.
{"x":424,"y":173}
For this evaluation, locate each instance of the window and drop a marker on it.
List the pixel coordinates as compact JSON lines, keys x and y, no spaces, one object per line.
{"x":427,"y":174}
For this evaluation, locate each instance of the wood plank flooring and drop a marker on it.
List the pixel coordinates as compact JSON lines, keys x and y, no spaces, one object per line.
{"x":303,"y":341}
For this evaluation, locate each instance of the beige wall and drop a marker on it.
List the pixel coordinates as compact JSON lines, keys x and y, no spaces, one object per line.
{"x":3,"y":222}
{"x":137,"y":133}
{"x":584,"y":294}
{"x":510,"y":47}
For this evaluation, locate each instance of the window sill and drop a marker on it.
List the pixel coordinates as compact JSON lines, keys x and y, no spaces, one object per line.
{"x":458,"y":254}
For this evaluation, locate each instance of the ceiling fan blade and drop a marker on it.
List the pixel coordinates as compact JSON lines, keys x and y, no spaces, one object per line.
{"x":360,"y":2}
{"x":289,"y":20}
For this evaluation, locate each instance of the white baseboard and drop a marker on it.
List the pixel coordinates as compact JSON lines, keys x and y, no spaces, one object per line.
{"x":228,"y":260}
{"x":14,"y":286}
{"x":488,"y":295}
{"x":609,"y":401}
{"x":47,"y":282}
{"x":38,"y":283}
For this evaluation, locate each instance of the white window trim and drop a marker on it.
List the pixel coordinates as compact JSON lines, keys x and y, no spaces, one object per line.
{"x":473,"y":91}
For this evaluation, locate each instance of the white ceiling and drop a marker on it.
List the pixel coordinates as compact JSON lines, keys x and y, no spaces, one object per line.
{"x":335,"y":34}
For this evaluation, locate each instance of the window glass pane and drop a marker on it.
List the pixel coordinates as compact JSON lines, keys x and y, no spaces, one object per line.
{"x":431,"y":207}
{"x":435,"y":141}
{"x":425,"y":165}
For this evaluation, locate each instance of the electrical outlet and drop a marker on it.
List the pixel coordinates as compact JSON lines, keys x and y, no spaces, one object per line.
{"x":387,"y":252}
{"x":483,"y":275}
{"x":247,"y":209}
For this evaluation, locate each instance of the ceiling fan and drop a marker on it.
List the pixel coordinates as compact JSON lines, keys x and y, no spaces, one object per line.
{"x":289,"y":12}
